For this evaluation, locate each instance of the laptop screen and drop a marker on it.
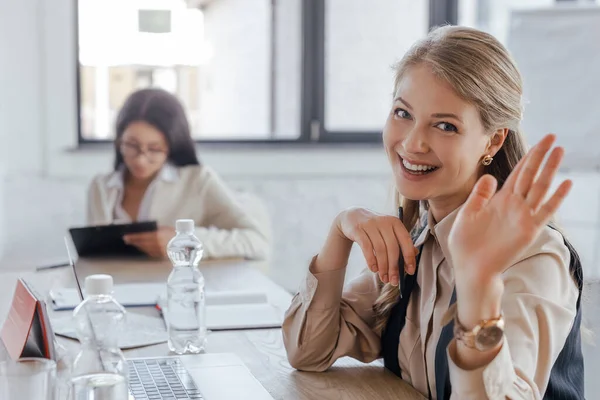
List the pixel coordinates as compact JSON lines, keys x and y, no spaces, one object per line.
{"x":72,"y":264}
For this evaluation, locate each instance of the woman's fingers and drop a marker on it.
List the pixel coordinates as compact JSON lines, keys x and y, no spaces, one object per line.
{"x":145,"y":242}
{"x":367,"y":249}
{"x":542,"y":184}
{"x":481,"y":194}
{"x":393,"y":253}
{"x":140,"y":238}
{"x":407,"y":247}
{"x":551,"y":206}
{"x":145,"y":249}
{"x":140,"y":241}
{"x":531,"y":166}
{"x":384,"y":243}
{"x":511,"y":181}
{"x":380,"y":250}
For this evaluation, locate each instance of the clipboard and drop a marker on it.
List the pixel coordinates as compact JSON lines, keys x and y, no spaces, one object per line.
{"x":27,"y":331}
{"x":107,"y":240}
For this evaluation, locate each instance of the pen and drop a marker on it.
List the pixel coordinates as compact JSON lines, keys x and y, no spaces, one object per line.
{"x":44,"y":267}
{"x":401,"y":259}
{"x":162,"y":313}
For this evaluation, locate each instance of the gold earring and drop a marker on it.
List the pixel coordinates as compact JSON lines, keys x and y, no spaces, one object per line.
{"x":487,"y":160}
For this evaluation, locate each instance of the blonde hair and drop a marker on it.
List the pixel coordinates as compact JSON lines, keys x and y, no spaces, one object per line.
{"x":483,"y":73}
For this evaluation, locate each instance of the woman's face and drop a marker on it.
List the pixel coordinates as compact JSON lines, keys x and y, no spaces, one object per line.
{"x":434,"y":140}
{"x":144,"y":149}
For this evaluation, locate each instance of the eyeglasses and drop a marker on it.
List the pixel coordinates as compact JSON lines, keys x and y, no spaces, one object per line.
{"x":132,"y":150}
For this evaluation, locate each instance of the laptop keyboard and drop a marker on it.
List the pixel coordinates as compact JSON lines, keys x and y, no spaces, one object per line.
{"x":161,"y":379}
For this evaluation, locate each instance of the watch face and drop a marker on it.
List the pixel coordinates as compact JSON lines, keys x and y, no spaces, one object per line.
{"x":488,"y":337}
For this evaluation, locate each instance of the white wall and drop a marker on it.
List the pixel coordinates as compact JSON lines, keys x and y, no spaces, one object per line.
{"x":21,"y":84}
{"x":362,"y":43}
{"x":303,"y":187}
{"x":558,"y":52}
{"x":4,"y":54}
{"x":288,"y":68}
{"x":236,"y":82}
{"x":236,"y":100}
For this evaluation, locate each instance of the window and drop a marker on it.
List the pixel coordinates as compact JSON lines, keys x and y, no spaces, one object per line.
{"x":229,"y":63}
{"x":552,"y":42}
{"x":361,"y":45}
{"x":494,"y":16}
{"x":251,"y":70}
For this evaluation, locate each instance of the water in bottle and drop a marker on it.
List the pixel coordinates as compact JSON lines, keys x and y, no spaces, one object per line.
{"x":185,"y":315}
{"x":99,"y":371}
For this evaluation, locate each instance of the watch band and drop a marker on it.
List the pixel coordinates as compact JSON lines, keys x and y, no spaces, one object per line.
{"x":486,"y":335}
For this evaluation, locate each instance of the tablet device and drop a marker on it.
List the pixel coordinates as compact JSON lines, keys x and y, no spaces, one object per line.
{"x":107,"y":240}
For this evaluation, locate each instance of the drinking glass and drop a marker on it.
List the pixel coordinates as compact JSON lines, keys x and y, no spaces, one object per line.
{"x":28,"y":378}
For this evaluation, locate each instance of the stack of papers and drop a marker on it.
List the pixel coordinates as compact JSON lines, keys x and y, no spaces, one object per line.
{"x":139,"y":330}
{"x":148,"y":295}
{"x":224,"y":311}
{"x":232,"y":315}
{"x":128,"y":295}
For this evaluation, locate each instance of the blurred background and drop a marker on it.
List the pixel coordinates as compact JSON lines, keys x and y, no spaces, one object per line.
{"x":286,"y":98}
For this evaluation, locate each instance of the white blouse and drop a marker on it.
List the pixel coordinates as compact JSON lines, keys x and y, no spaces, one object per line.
{"x":168,"y":173}
{"x":225,"y":223}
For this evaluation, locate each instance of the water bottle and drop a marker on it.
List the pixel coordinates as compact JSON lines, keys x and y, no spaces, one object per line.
{"x":185,"y":292}
{"x":99,"y":371}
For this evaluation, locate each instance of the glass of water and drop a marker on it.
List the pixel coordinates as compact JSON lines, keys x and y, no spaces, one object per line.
{"x":99,"y":386}
{"x":28,"y":378}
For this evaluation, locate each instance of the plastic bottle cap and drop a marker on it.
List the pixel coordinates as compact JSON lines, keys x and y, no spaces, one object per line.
{"x":185,"y":225}
{"x":98,"y":284}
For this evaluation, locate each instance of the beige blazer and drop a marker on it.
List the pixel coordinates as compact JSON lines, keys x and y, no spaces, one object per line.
{"x":328,"y":320}
{"x":226,"y":228}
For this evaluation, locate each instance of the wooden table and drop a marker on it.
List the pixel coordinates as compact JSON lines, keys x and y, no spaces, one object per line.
{"x":261,"y":350}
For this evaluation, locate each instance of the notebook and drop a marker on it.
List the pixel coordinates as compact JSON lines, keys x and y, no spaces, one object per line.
{"x":235,"y":316}
{"x":128,"y":295}
{"x":147,"y":295}
{"x":224,"y":309}
{"x":137,"y":331}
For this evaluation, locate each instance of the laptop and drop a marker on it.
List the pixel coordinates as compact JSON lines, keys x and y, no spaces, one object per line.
{"x":218,"y":376}
{"x":212,"y":376}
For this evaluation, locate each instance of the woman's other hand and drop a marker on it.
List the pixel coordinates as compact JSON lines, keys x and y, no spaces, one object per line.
{"x":152,"y":243}
{"x":383,"y":239}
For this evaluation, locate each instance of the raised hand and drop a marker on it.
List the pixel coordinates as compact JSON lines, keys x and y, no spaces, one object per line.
{"x":493,"y":228}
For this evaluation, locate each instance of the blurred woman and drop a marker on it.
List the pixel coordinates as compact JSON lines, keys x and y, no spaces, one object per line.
{"x":157,"y":176}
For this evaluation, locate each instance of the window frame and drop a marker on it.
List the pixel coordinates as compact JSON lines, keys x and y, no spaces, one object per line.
{"x":312,"y":85}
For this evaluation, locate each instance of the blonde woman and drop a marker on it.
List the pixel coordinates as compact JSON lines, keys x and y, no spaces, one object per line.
{"x":483,"y":256}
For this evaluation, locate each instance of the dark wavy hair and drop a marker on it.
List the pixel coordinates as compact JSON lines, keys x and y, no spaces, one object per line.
{"x":163,"y":111}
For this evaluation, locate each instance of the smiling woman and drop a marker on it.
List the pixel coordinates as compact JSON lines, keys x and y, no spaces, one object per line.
{"x":157,"y":176}
{"x":443,"y":139}
{"x":490,"y":307}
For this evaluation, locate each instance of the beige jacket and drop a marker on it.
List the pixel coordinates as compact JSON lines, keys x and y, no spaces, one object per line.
{"x":224,"y":225}
{"x":327,"y":321}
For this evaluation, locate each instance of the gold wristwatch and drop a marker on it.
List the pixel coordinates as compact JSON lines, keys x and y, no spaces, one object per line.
{"x":484,"y":336}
